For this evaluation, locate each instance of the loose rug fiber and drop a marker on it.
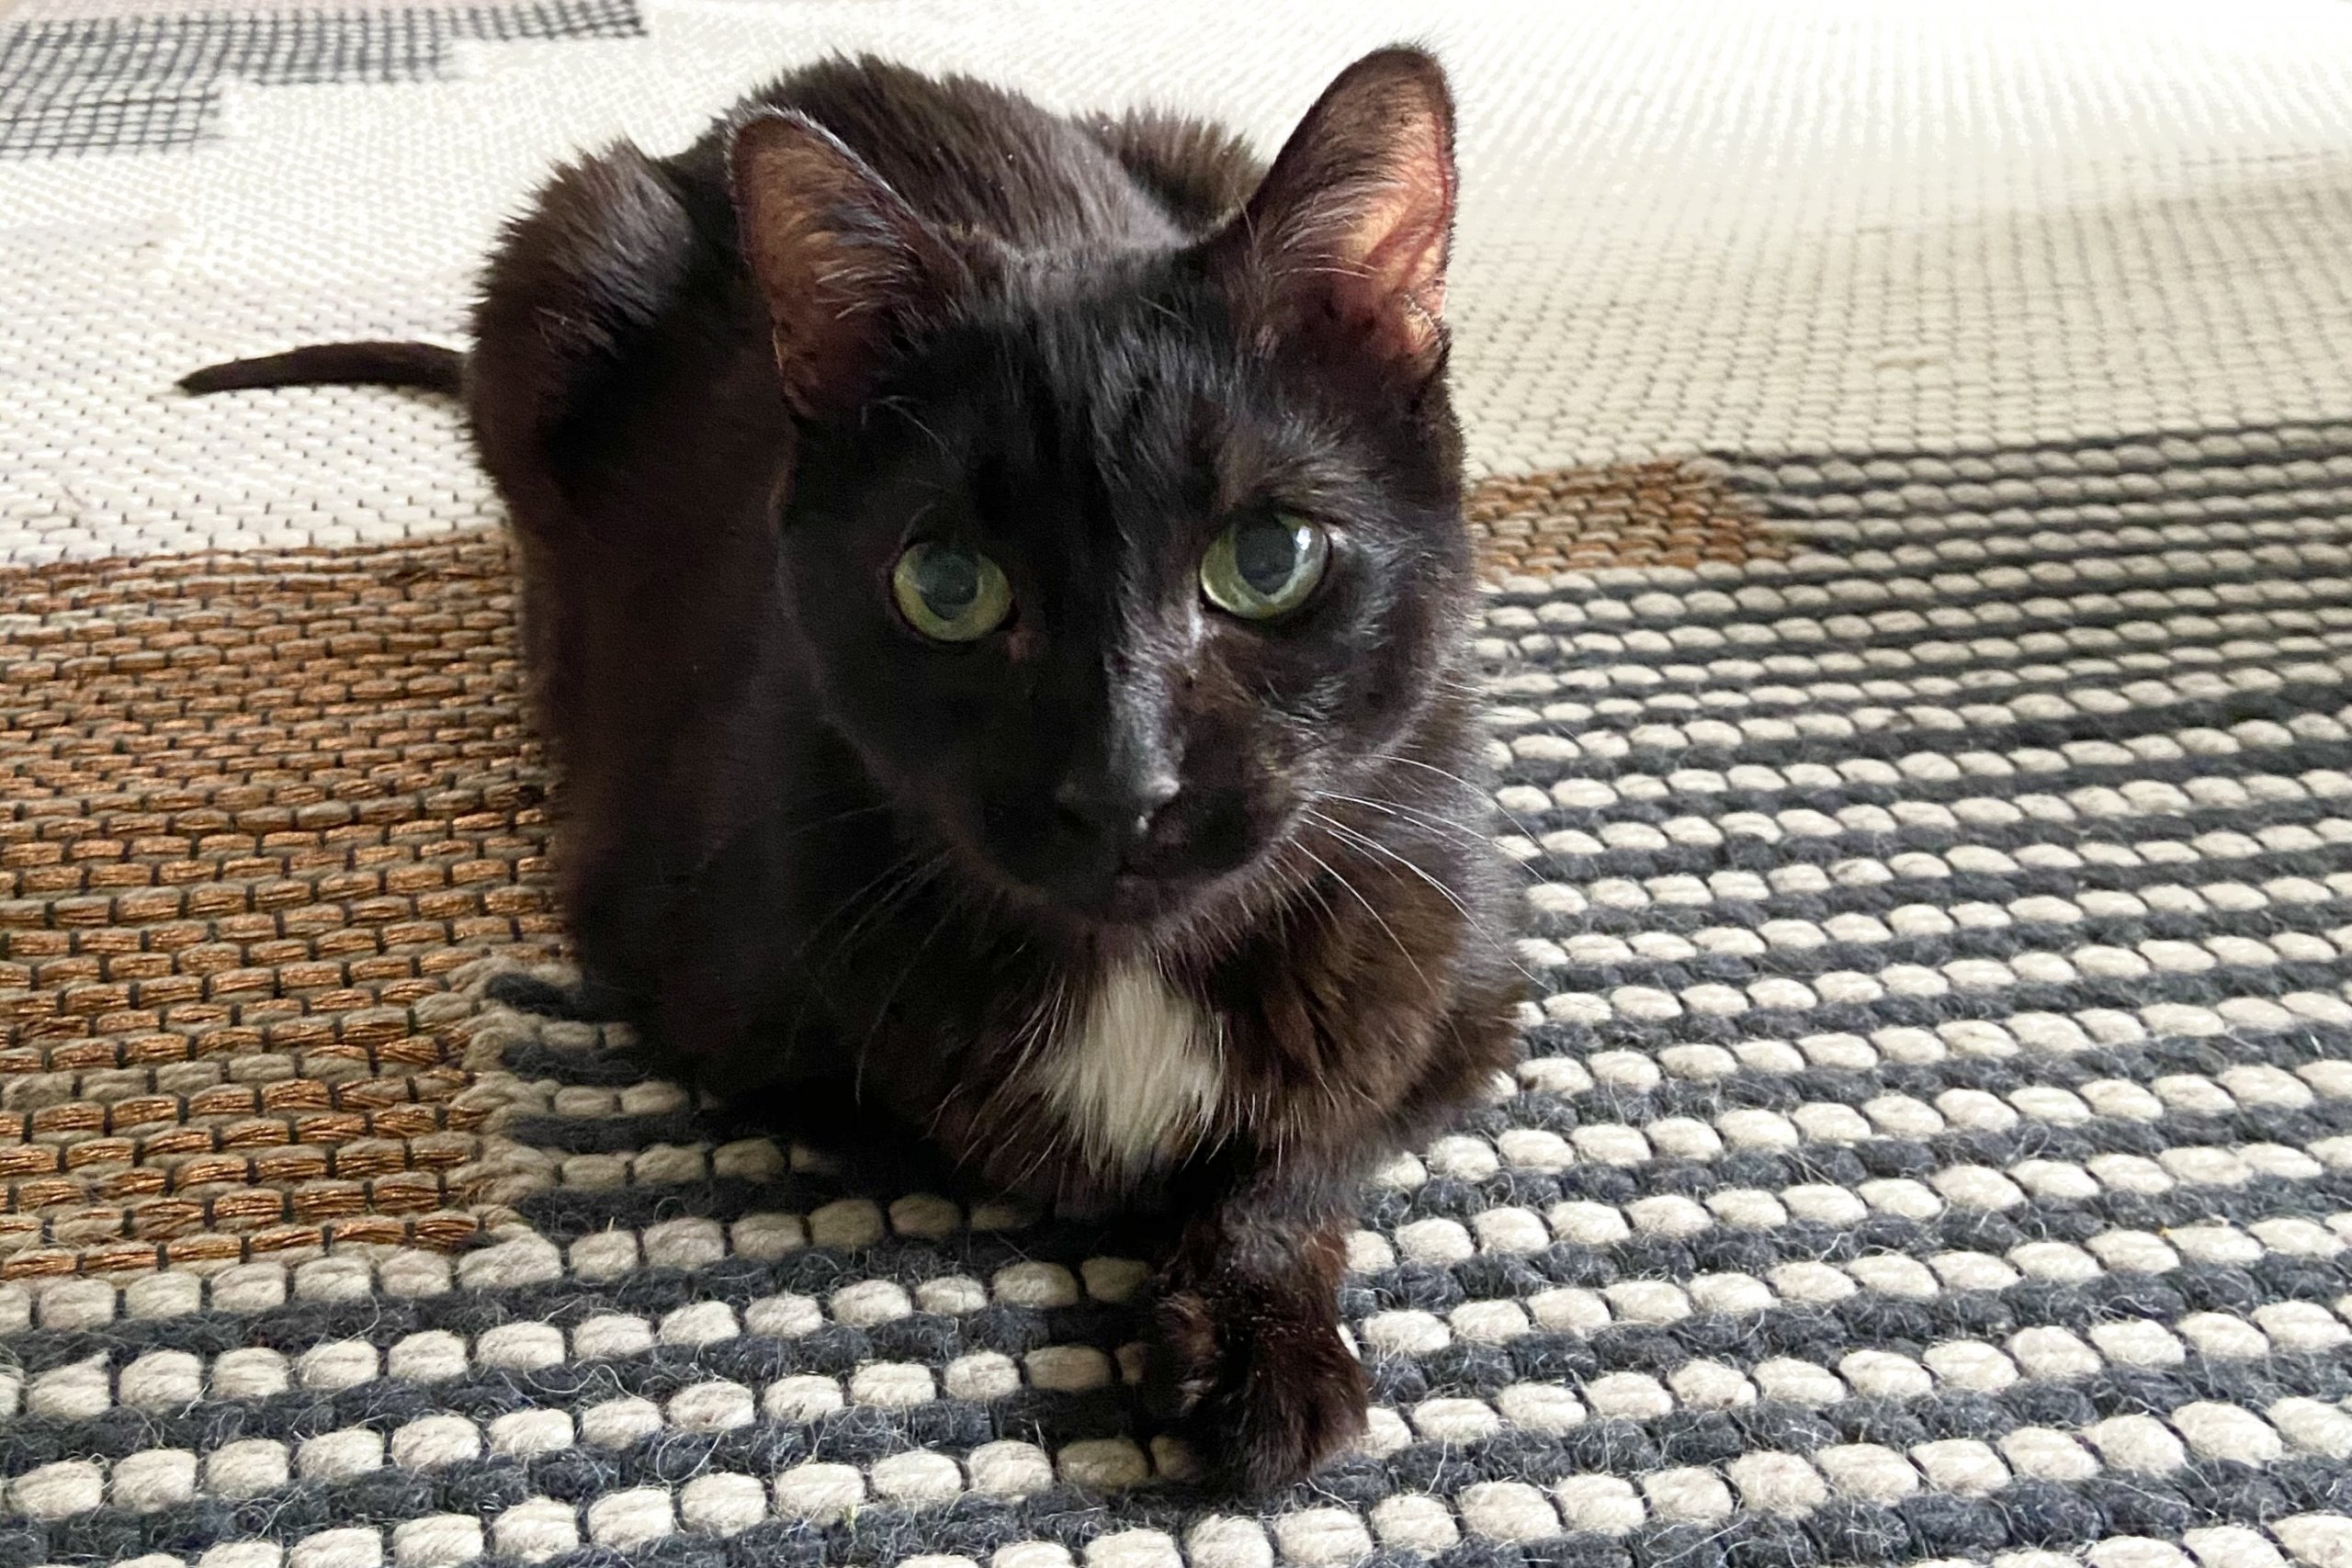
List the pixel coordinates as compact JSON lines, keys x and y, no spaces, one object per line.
{"x":1914,"y":461}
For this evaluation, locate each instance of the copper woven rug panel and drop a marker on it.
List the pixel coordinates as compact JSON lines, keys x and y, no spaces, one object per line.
{"x":259,"y":809}
{"x":1913,"y":451}
{"x":262,"y":808}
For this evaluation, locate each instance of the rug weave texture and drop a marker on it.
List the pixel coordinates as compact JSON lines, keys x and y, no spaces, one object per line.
{"x":1912,"y":461}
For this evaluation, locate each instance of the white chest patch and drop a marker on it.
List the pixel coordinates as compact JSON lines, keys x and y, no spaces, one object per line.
{"x":1136,"y":1075}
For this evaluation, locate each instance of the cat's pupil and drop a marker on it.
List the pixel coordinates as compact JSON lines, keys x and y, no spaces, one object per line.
{"x":950,"y":582}
{"x":1266,"y":555}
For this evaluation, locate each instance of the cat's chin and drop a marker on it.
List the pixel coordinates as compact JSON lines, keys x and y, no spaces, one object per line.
{"x":1127,"y":904}
{"x":1143,"y":901}
{"x":1129,"y":910}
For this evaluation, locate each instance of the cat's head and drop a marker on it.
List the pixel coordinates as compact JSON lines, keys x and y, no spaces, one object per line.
{"x":1110,"y":572}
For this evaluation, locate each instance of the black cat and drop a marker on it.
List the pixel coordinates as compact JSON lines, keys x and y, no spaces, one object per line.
{"x":994,"y":585}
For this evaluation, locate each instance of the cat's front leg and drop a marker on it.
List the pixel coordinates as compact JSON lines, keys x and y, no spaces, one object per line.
{"x":1247,"y":1352}
{"x":587,"y":1000}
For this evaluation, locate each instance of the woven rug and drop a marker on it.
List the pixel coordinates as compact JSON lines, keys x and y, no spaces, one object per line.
{"x":1914,"y":461}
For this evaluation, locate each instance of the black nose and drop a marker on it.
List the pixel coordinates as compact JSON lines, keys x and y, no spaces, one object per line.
{"x":1117,"y":811}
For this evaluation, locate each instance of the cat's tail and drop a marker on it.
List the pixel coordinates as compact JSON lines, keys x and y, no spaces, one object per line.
{"x":426,"y":366}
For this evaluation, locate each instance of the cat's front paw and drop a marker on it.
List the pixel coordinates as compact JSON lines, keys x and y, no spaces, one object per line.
{"x":542,"y":999}
{"x":1259,"y":1380}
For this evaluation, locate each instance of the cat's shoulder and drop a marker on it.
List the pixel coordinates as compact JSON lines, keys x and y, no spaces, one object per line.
{"x":606,"y":249}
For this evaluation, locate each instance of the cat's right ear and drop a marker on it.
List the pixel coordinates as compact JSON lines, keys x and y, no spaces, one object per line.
{"x":849,"y":271}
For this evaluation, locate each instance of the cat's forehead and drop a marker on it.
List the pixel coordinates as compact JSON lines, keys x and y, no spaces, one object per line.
{"x":1137,"y":394}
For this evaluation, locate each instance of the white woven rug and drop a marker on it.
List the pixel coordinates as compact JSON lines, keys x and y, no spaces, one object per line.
{"x":1935,"y":1140}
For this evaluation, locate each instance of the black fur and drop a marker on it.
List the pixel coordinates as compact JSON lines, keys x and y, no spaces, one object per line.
{"x":809,"y":849}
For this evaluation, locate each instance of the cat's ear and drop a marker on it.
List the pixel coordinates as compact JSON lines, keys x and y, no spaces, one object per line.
{"x":849,"y":271}
{"x":1350,"y":227}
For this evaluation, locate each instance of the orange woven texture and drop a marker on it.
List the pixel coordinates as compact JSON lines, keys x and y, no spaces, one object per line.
{"x":1636,"y":515}
{"x":257,"y":808}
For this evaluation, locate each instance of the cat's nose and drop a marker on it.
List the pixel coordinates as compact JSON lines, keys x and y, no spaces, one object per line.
{"x":1118,"y":811}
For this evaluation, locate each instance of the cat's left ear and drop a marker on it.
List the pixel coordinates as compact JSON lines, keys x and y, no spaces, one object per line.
{"x":851,"y":273}
{"x":1350,"y":229}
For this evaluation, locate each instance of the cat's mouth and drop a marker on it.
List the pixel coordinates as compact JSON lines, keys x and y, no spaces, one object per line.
{"x":1092,"y":886}
{"x":1128,"y":900}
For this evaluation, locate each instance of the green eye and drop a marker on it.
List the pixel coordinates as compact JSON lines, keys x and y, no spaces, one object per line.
{"x":1265,"y":567}
{"x":950,"y":593}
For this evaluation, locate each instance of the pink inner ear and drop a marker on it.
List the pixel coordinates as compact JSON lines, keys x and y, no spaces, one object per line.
{"x":1408,"y":229}
{"x":1396,"y":240}
{"x":1353,"y":223}
{"x":841,"y":261}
